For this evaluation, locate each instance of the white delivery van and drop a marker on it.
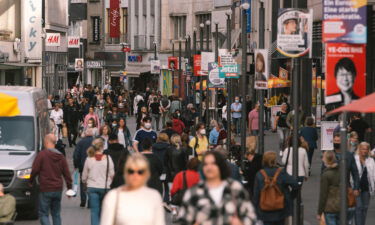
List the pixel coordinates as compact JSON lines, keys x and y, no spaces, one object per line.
{"x":24,"y":121}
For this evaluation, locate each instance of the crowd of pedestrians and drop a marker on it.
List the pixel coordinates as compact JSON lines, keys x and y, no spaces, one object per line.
{"x":175,"y":164}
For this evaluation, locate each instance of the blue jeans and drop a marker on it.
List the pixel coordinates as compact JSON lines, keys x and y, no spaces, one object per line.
{"x":332,"y":218}
{"x":82,"y":190}
{"x":96,"y":196}
{"x":50,"y":201}
{"x":281,"y":222}
{"x":254,"y":133}
{"x":237,"y":125}
{"x":363,"y":201}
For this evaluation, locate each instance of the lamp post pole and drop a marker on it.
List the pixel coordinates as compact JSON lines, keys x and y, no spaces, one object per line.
{"x":192,"y":66}
{"x":208,"y":25}
{"x":179,"y":67}
{"x":229,"y":99}
{"x":261,"y":92}
{"x":217,"y":61}
{"x":201,"y":26}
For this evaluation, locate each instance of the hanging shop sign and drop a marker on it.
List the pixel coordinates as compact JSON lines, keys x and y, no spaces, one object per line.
{"x":94,"y":64}
{"x":294,"y":32}
{"x":213,"y":76}
{"x":53,"y":40}
{"x":261,"y":69}
{"x":155,"y":66}
{"x":345,"y":21}
{"x":345,"y":74}
{"x":73,"y":42}
{"x":114,"y":17}
{"x":32,"y":30}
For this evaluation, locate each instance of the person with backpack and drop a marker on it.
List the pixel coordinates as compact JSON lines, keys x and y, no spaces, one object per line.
{"x":272,"y":197}
{"x":199,"y":143}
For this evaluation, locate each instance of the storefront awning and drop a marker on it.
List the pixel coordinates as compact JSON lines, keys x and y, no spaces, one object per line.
{"x":13,"y":66}
{"x":135,"y":71}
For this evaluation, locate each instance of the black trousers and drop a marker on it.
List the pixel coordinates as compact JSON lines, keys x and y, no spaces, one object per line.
{"x":72,"y":130}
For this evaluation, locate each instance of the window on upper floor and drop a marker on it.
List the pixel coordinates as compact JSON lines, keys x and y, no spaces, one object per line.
{"x":203,"y":18}
{"x":179,"y":27}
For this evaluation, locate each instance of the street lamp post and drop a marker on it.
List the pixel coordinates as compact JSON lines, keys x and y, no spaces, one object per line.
{"x":261,"y":92}
{"x":192,"y":65}
{"x":245,"y":6}
{"x":229,"y":100}
{"x":217,"y":61}
{"x":179,"y":67}
{"x":201,"y":26}
{"x":155,"y":53}
{"x":208,"y":24}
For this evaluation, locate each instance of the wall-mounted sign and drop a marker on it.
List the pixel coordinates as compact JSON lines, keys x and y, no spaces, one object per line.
{"x":73,"y":42}
{"x":96,"y":29}
{"x":134,"y":58}
{"x":53,"y":39}
{"x":114,"y":17}
{"x":78,"y":65}
{"x":32,"y":30}
{"x":94,"y":64}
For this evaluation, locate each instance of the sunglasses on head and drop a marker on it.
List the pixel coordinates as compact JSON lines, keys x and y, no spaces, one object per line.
{"x":131,"y":171}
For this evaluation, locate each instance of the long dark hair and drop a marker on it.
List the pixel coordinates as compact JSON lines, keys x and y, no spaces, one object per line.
{"x":220,"y":162}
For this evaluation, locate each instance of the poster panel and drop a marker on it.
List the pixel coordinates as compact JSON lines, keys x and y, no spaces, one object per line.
{"x":78,"y":65}
{"x":155,"y":66}
{"x":326,"y":134}
{"x":294,"y":32}
{"x":261,"y":69}
{"x":345,"y":21}
{"x":172,"y":63}
{"x":213,"y":76}
{"x":197,"y":65}
{"x":206,"y":58}
{"x":345,"y":74}
{"x":167,"y":82}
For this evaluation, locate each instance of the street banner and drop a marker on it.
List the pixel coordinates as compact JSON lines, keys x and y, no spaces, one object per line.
{"x":213,"y":76}
{"x":326,"y":134}
{"x":167,"y":82}
{"x":261,"y":69}
{"x":95,"y":28}
{"x":345,"y":21}
{"x":53,"y":39}
{"x":197,"y":66}
{"x":155,"y":66}
{"x":294,"y":32}
{"x":78,"y":65}
{"x":230,"y":71}
{"x":73,"y":42}
{"x":31,"y":30}
{"x":345,"y":74}
{"x":114,"y":17}
{"x":207,"y":57}
{"x":172,"y":63}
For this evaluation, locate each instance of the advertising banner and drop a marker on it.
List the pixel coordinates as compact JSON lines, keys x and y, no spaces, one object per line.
{"x":53,"y":39}
{"x":213,"y":76}
{"x":294,"y":32}
{"x":78,"y":65}
{"x":345,"y":21}
{"x":345,"y":74}
{"x":155,"y":66}
{"x":32,"y":30}
{"x":167,"y":82}
{"x":172,"y":63}
{"x":73,"y":42}
{"x":114,"y":17}
{"x":197,"y":65}
{"x":261,"y":69}
{"x":275,"y":82}
{"x":326,"y":134}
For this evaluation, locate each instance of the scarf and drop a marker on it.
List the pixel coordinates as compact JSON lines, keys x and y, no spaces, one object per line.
{"x":370,"y":165}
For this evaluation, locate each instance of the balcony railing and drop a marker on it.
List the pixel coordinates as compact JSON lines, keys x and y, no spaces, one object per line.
{"x":122,"y":39}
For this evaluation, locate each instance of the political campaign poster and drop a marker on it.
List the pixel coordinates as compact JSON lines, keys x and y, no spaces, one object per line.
{"x":345,"y":74}
{"x":155,"y":66}
{"x":261,"y":69}
{"x":326,"y":135}
{"x":197,"y":65}
{"x":207,"y":57}
{"x":345,"y":21}
{"x":166,"y":76}
{"x":294,"y":32}
{"x":78,"y":65}
{"x":172,"y":63}
{"x":213,"y":76}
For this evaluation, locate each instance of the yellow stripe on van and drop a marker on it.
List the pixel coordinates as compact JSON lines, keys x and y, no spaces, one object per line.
{"x":8,"y":105}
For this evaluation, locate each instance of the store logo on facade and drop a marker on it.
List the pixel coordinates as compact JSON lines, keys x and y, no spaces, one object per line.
{"x":115,"y":17}
{"x":53,"y":39}
{"x":134,"y":58}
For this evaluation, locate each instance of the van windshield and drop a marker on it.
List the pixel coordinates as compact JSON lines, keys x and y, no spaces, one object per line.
{"x":17,"y":133}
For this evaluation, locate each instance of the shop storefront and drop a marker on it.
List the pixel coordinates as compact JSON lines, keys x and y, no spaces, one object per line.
{"x":19,"y":74}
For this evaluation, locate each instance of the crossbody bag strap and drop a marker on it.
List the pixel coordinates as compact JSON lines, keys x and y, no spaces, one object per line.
{"x":106,"y":174}
{"x":287,"y":157}
{"x":184,"y":181}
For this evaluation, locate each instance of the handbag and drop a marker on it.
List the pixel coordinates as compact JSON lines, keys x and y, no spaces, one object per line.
{"x":64,"y":131}
{"x":177,"y":198}
{"x":351,"y":198}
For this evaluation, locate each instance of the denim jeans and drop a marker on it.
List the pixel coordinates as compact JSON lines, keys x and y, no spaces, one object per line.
{"x":332,"y":218}
{"x":164,"y":118}
{"x":363,"y":201}
{"x":82,"y":191}
{"x":283,"y":133}
{"x":155,"y":120}
{"x":281,"y":222}
{"x":96,"y":196}
{"x":50,"y":201}
{"x":254,"y":132}
{"x":237,"y":125}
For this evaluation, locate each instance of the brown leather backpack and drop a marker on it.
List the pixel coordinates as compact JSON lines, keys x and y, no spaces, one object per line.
{"x":271,"y":197}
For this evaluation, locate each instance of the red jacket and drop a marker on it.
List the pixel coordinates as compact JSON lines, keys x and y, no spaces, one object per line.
{"x":51,"y":166}
{"x":192,"y":178}
{"x":178,"y":126}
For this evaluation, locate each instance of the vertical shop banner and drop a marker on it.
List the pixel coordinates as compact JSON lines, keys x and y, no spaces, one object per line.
{"x":114,"y":11}
{"x":167,"y":82}
{"x":326,"y":135}
{"x":32,"y":30}
{"x":261,"y":69}
{"x":96,"y":29}
{"x":294,"y":32}
{"x":197,"y":65}
{"x":345,"y":21}
{"x":345,"y":73}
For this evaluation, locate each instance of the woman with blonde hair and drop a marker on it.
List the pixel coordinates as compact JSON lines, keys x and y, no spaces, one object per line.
{"x":134,"y":202}
{"x":177,"y":156}
{"x":253,"y":163}
{"x":97,"y":174}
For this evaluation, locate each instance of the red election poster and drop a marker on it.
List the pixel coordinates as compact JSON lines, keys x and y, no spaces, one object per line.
{"x":114,"y":10}
{"x":345,"y":73}
{"x":197,"y":65}
{"x":172,"y":63}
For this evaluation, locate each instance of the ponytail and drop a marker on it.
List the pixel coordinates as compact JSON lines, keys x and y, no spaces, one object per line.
{"x":97,"y":145}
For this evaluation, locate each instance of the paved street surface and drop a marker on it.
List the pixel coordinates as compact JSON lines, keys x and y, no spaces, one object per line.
{"x":72,"y":214}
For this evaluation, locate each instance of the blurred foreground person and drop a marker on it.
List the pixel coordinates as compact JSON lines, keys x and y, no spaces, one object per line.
{"x":218,"y":199}
{"x":133,"y":203}
{"x":7,"y":206}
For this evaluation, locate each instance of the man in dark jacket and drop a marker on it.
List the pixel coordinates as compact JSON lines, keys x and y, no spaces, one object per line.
{"x":50,"y":167}
{"x":79,"y":158}
{"x":115,"y":150}
{"x":71,"y":117}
